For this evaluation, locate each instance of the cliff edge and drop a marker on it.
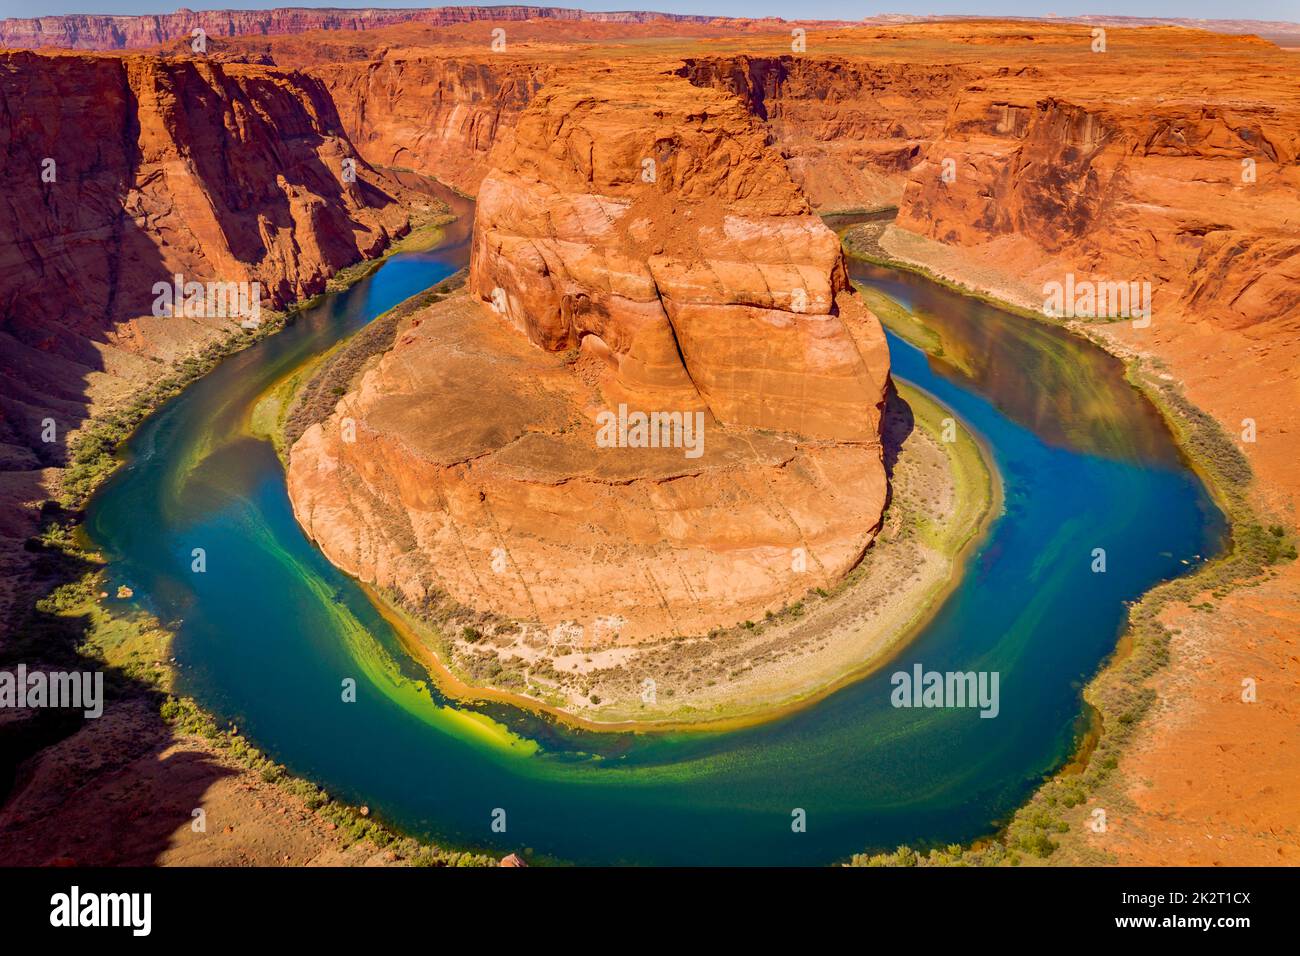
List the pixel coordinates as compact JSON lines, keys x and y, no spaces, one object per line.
{"x":658,"y":410}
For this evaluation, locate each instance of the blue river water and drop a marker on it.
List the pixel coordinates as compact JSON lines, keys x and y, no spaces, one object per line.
{"x":267,"y":633}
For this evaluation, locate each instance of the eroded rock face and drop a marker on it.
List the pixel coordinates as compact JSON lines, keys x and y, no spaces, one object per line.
{"x":126,"y":171}
{"x":849,"y":130}
{"x":135,"y":169}
{"x":479,"y":465}
{"x":436,"y":113}
{"x":138,"y":168}
{"x":109,"y":32}
{"x":1196,"y":198}
{"x":713,"y":277}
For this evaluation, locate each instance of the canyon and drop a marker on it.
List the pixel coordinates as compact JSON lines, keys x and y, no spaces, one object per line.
{"x":159,"y":166}
{"x":120,"y":32}
{"x":130,"y":171}
{"x":108,"y":32}
{"x":468,"y":463}
{"x":135,"y":170}
{"x":1013,"y":152}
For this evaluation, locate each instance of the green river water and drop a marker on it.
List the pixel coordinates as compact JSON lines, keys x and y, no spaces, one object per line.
{"x":266,"y":635}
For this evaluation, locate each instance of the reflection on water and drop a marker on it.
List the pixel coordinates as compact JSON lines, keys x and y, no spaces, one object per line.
{"x":1068,"y":392}
{"x":268,"y":633}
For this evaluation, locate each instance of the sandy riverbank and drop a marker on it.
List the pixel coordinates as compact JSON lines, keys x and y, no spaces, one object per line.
{"x":944,"y":494}
{"x":1204,"y":777}
{"x":944,"y":497}
{"x":126,"y":789}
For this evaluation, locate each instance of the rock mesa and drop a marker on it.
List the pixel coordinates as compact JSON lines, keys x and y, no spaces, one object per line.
{"x":639,"y":247}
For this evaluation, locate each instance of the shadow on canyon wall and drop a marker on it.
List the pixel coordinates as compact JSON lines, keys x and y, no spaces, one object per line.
{"x":111,"y":790}
{"x":81,"y":254}
{"x":896,"y":425}
{"x":78,"y":262}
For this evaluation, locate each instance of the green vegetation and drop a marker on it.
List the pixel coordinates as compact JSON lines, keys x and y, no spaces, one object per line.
{"x":863,"y":242}
{"x":900,"y":320}
{"x":186,"y":717}
{"x":57,"y":621}
{"x":65,"y":625}
{"x":61,"y":618}
{"x":973,"y":478}
{"x":309,"y":394}
{"x":1120,"y":695}
{"x":435,"y":622}
{"x":93,"y":455}
{"x":422,"y":237}
{"x":69,"y":625}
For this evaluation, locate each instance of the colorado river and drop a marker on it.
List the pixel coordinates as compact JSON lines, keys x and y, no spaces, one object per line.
{"x":266,"y":635}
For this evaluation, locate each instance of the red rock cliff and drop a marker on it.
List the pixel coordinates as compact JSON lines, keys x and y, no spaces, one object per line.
{"x":108,"y":32}
{"x":474,"y":461}
{"x":158,"y":167}
{"x":439,"y":114}
{"x":849,"y":130}
{"x":1195,"y":195}
{"x":124,"y":171}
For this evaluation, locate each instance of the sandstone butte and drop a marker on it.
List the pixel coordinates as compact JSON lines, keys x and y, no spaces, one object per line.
{"x":706,"y":287}
{"x":1123,"y":164}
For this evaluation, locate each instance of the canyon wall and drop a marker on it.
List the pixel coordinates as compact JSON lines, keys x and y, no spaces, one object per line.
{"x":1170,"y":159}
{"x":136,"y":169}
{"x":850,"y":130}
{"x":474,"y":470}
{"x":1196,"y":197}
{"x":437,"y":100}
{"x":126,"y":171}
{"x":638,"y":249}
{"x":109,"y":32}
{"x":436,"y":114}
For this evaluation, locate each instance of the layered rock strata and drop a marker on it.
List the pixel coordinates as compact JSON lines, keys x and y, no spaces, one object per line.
{"x":138,"y":169}
{"x":1195,"y":196}
{"x":110,"y":32}
{"x":436,"y":113}
{"x":127,"y":172}
{"x":850,"y":130}
{"x":639,"y":249}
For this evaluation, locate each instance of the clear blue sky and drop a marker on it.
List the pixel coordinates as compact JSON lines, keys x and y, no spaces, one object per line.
{"x":789,"y":9}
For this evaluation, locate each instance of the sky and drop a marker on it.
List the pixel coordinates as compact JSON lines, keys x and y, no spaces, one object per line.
{"x":789,"y":9}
